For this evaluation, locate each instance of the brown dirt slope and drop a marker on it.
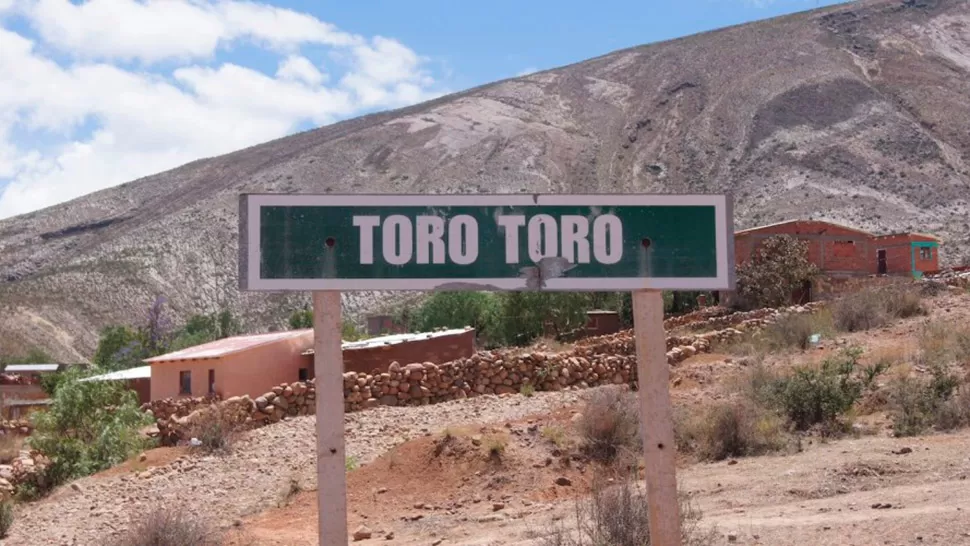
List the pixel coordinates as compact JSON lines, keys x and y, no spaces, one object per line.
{"x":854,"y":113}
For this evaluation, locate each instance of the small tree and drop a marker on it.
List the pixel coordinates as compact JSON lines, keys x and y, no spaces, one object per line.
{"x":458,"y":309}
{"x":119,"y":348}
{"x":89,"y":426}
{"x":778,"y":267}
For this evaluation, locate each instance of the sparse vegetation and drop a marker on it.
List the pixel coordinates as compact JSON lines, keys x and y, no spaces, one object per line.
{"x":496,"y":448}
{"x":794,"y":330}
{"x":527,"y":390}
{"x":610,"y":424}
{"x":168,"y":526}
{"x":811,"y":396}
{"x":350,"y":463}
{"x":6,"y":518}
{"x":875,"y":307}
{"x":618,"y":515}
{"x":10,"y":446}
{"x":215,"y":430}
{"x":554,"y":434}
{"x":737,"y":428}
{"x":940,"y":402}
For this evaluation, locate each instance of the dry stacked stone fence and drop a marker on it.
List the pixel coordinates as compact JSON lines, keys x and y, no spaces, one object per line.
{"x":609,"y":359}
{"x":21,"y":427}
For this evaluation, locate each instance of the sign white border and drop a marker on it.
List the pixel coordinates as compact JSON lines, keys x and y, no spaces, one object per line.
{"x":249,"y":251}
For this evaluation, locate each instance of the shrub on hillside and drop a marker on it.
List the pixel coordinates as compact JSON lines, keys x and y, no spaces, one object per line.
{"x":214,"y":428}
{"x":618,"y":515}
{"x":6,"y":518}
{"x":169,"y":527}
{"x":794,"y":330}
{"x":941,"y":402}
{"x":778,"y":267}
{"x":876,"y":307}
{"x":610,"y":424}
{"x":88,"y":427}
{"x":736,"y":428}
{"x":811,"y":396}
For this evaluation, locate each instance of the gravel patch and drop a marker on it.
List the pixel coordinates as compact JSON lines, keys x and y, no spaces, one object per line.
{"x":255,"y":476}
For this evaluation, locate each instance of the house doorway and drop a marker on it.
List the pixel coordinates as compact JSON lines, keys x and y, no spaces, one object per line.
{"x":881,"y":262}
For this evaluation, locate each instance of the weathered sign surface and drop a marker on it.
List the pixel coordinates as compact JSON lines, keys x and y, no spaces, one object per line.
{"x":486,"y":242}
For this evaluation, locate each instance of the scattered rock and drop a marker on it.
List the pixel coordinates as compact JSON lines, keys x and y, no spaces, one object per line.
{"x":362,"y":533}
{"x":563,"y":481}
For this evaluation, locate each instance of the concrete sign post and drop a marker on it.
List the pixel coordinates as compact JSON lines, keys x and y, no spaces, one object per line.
{"x":328,"y":244}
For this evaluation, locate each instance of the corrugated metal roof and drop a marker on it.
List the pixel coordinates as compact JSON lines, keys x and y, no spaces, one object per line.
{"x":229,"y":345}
{"x":21,"y":403}
{"x":23,"y":368}
{"x":786,"y":222}
{"x":141,"y":372}
{"x":394,"y":338}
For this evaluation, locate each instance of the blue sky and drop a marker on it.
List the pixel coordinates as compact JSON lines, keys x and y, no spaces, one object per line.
{"x":100,"y":92}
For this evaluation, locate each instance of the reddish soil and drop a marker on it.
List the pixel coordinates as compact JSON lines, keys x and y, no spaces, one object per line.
{"x":152,"y":458}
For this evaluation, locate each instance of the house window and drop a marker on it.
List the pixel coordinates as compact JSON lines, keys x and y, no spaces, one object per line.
{"x":304,"y":374}
{"x":925,"y":253}
{"x":185,"y":382}
{"x":212,"y":381}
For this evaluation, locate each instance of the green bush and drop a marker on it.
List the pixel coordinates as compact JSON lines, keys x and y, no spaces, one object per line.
{"x":6,"y":518}
{"x":88,"y":427}
{"x":940,"y":402}
{"x":479,"y":310}
{"x":814,"y":396}
{"x":776,"y":268}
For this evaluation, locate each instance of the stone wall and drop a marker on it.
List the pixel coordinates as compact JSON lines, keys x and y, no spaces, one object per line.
{"x":603,"y":360}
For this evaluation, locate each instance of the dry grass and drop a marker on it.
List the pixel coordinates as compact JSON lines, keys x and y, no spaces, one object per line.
{"x":941,"y":402}
{"x":618,"y":515}
{"x":170,"y":527}
{"x":610,"y":424}
{"x":215,"y":429}
{"x":737,"y":428}
{"x":944,"y":342}
{"x":875,"y":307}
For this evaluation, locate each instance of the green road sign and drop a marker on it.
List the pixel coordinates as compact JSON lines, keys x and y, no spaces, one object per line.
{"x":486,"y":242}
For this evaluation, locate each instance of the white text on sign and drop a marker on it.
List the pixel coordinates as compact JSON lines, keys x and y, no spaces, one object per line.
{"x":432,"y":239}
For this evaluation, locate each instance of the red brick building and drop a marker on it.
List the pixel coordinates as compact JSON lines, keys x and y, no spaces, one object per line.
{"x":841,"y":251}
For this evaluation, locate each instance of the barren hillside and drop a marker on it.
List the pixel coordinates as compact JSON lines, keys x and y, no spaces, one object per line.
{"x":855,"y":114}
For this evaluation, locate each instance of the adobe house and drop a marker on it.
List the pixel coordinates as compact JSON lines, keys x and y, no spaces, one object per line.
{"x":20,"y":389}
{"x":234,"y":366}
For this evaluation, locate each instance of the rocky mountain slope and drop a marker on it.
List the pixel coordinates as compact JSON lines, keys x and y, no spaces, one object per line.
{"x":856,"y":114}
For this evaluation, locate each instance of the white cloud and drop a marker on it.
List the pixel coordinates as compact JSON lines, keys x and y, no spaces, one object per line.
{"x":527,"y":71}
{"x":147,"y":122}
{"x":298,"y":68}
{"x":153,"y":30}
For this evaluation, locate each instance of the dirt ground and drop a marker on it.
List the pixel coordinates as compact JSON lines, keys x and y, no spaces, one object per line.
{"x":492,"y":471}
